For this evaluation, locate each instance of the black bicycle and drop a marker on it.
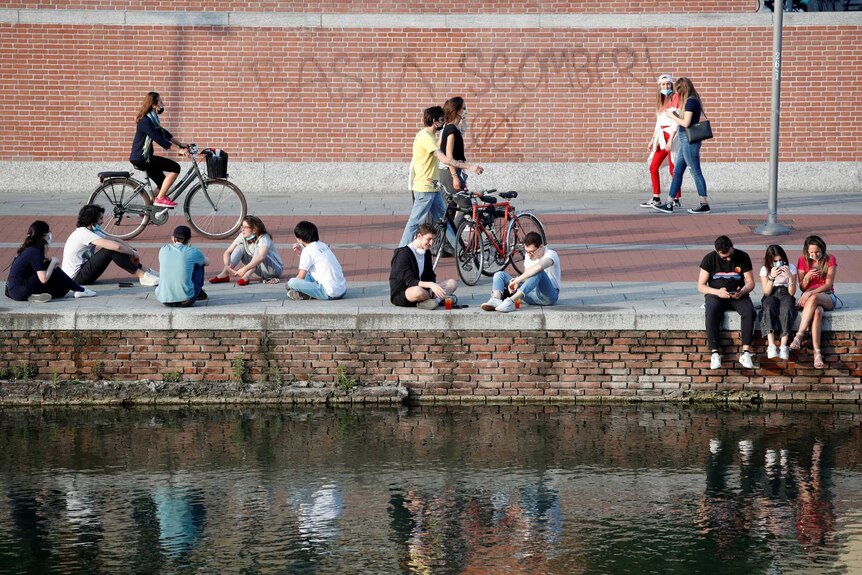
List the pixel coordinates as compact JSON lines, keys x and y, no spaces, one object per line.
{"x":213,"y":207}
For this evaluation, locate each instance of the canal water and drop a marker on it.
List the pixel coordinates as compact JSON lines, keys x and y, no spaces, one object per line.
{"x":535,"y":490}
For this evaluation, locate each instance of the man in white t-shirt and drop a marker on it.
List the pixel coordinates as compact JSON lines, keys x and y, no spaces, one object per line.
{"x":320,"y":275}
{"x":538,"y":285}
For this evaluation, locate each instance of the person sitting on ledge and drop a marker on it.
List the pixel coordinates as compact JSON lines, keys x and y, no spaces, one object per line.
{"x":726,"y":279}
{"x":182,"y":268}
{"x":320,"y":275}
{"x":539,"y":284}
{"x":251,"y":255}
{"x":412,"y":281}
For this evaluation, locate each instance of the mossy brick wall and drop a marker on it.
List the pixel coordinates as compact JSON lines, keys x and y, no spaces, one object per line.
{"x":505,"y":365}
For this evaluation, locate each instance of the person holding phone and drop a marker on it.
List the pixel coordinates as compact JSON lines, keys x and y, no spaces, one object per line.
{"x":725,"y":280}
{"x":778,"y":280}
{"x":816,"y":274}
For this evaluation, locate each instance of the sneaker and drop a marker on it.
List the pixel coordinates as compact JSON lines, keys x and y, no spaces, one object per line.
{"x":701,"y":209}
{"x":153,"y":272}
{"x":784,"y":352}
{"x":715,"y":361}
{"x":149,"y":280}
{"x":650,"y":203}
{"x":676,"y":203}
{"x":431,"y":303}
{"x":745,"y":360}
{"x":491,"y":304}
{"x":506,"y":306}
{"x":297,"y":295}
{"x":771,"y":351}
{"x":664,"y":208}
{"x":166,"y":202}
{"x":86,"y":293}
{"x":39,"y":298}
{"x":219,"y":280}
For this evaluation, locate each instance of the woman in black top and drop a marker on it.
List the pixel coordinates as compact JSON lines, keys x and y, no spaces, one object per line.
{"x":452,"y":143}
{"x":149,"y":130}
{"x":35,"y":278}
{"x":689,"y":154}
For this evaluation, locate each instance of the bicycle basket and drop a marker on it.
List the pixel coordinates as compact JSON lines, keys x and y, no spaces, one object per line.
{"x":216,"y":163}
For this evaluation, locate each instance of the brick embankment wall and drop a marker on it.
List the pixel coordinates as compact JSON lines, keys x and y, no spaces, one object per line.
{"x":516,"y":366}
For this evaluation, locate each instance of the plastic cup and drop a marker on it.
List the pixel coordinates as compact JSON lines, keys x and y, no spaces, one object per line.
{"x":517,"y":304}
{"x":448,"y":303}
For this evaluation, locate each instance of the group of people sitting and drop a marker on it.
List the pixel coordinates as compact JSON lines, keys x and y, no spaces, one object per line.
{"x":727,"y":278}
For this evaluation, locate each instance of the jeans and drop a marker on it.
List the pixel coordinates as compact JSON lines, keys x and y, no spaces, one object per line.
{"x":424,"y":204}
{"x":58,"y":285}
{"x":538,"y":289}
{"x":779,"y":312}
{"x":689,"y":157}
{"x":715,"y":308}
{"x":266,"y":269}
{"x":94,"y":267}
{"x":197,"y":282}
{"x":310,"y":287}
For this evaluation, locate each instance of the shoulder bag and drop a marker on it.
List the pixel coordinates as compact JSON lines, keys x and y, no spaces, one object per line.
{"x":700,"y":131}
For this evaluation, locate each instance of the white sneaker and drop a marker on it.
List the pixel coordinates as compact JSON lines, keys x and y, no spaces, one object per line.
{"x":153,"y":272}
{"x":39,"y":298}
{"x":506,"y":305}
{"x":491,"y":304}
{"x":86,"y":293}
{"x":784,"y":352}
{"x":149,"y":279}
{"x":771,"y":351}
{"x":745,"y":360}
{"x":432,"y":303}
{"x":715,"y":361}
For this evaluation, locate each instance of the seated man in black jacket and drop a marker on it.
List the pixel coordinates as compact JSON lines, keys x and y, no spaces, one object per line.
{"x":412,"y":281}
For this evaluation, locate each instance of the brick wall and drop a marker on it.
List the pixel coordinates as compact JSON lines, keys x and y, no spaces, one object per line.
{"x":336,"y":94}
{"x":507,"y":365}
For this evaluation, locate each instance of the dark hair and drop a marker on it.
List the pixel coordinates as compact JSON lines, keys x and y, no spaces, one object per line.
{"x":771,"y":252}
{"x":723,"y":244}
{"x":451,"y":109}
{"x":823,"y":262}
{"x":36,"y":236}
{"x":149,"y":101}
{"x":256,"y":224}
{"x":306,"y":232}
{"x":89,"y":215}
{"x":425,"y":229}
{"x":533,"y":239}
{"x":432,"y":114}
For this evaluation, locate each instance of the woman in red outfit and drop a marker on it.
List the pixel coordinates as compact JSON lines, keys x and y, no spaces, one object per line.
{"x":662,"y":137}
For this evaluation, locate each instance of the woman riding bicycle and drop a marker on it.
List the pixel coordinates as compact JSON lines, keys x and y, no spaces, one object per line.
{"x":150,"y":130}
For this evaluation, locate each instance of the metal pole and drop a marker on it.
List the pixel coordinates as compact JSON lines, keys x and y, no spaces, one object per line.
{"x":772,"y":227}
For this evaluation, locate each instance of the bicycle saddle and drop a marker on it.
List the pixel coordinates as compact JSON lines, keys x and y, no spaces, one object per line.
{"x":109,"y":175}
{"x":508,"y":195}
{"x":488,"y":199}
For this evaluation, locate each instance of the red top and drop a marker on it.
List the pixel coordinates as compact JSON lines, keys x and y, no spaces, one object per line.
{"x":815,"y":281}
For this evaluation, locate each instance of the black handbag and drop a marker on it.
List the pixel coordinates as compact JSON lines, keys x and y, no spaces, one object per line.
{"x":699,"y":132}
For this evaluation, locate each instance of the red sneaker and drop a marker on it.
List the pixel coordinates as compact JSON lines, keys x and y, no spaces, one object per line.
{"x":166,"y":201}
{"x":219,"y":280}
{"x":242,"y":282}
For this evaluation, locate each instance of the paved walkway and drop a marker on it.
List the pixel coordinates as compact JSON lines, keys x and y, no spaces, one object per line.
{"x":615,"y":255}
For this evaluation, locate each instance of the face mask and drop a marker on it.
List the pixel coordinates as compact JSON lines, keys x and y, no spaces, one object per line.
{"x":160,"y":110}
{"x":97,"y":228}
{"x":420,"y":251}
{"x":667,"y":92}
{"x":250,"y":237}
{"x":464,"y":126}
{"x":49,"y":237}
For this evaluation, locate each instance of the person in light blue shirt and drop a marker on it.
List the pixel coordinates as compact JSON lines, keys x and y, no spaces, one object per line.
{"x":182,"y":271}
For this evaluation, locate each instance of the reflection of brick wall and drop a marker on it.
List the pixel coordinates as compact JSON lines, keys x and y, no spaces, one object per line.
{"x":399,"y":7}
{"x":339,"y":94}
{"x":506,"y":364}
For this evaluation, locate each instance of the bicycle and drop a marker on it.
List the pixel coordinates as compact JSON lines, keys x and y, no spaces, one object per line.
{"x":213,"y":207}
{"x":493,"y":232}
{"x":457,"y":202}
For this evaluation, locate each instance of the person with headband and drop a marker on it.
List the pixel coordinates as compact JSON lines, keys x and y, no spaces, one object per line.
{"x":816,"y":279}
{"x":661,"y":143}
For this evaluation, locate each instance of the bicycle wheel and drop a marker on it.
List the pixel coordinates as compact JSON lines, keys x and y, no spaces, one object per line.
{"x":522,"y":225}
{"x":217,"y":211}
{"x":495,"y":260}
{"x":124,"y":201}
{"x":439,"y":243}
{"x":469,"y":252}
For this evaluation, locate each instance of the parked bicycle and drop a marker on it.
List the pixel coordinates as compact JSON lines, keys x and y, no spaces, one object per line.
{"x":459,"y":202}
{"x":213,"y":207}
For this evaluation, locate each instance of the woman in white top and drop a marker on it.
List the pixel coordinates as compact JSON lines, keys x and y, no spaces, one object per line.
{"x":661,"y":143}
{"x":778,"y":280}
{"x":251,"y":255}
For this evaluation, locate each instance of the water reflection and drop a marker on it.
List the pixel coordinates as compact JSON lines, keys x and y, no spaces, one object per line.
{"x":655,"y":489}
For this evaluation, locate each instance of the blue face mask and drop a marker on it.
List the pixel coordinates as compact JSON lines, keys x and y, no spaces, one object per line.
{"x":667,"y":92}
{"x":97,"y":228}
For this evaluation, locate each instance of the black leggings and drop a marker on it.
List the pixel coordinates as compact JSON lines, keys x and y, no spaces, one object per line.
{"x":94,"y":267}
{"x":156,"y":168}
{"x":58,"y":285}
{"x":715,"y":308}
{"x":778,"y":312}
